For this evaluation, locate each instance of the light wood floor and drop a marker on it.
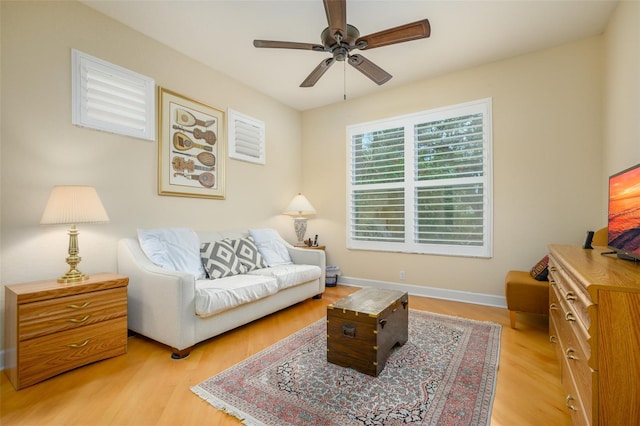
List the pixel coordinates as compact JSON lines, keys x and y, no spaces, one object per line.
{"x":147,"y":387}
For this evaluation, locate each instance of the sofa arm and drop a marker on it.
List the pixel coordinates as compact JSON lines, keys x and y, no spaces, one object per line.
{"x":161,"y":301}
{"x":302,"y":256}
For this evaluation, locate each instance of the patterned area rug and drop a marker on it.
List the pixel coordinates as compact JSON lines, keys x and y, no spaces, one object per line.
{"x":444,"y":375}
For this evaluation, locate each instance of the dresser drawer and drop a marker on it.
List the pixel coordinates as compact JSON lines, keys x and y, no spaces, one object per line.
{"x":51,"y":316}
{"x":569,"y":330}
{"x":47,"y":356}
{"x":554,"y":337}
{"x":575,"y":295}
{"x":576,"y":401}
{"x":574,"y":360}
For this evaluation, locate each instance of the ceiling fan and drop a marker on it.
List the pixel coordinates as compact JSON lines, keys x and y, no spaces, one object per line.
{"x":340,"y":38}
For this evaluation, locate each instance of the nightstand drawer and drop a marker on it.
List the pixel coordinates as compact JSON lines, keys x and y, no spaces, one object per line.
{"x":51,"y":316}
{"x":48,"y":356}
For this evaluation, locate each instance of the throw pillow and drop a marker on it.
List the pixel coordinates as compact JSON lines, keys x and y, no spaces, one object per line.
{"x":219,"y":260}
{"x":271,"y":246}
{"x":177,"y":249}
{"x":540,"y":270}
{"x":248,"y":253}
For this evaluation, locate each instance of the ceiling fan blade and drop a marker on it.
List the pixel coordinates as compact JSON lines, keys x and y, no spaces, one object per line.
{"x":407,"y":32}
{"x":317,"y":73}
{"x":368,"y":68}
{"x":288,"y":45}
{"x":336,"y":11}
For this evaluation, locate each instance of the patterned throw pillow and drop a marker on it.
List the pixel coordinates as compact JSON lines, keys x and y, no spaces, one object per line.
{"x":540,"y":270}
{"x":219,"y":260}
{"x":248,"y":253}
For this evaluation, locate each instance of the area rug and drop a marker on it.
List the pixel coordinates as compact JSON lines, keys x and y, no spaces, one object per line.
{"x":444,"y":375}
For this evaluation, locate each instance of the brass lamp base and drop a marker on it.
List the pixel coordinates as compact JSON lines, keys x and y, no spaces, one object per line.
{"x":73,"y":275}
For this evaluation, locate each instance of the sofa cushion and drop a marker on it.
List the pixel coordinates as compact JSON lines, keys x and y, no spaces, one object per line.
{"x":540,"y":270}
{"x":213,"y":296}
{"x":219,"y":260}
{"x":271,"y":246}
{"x":290,"y":275}
{"x":176,"y":249}
{"x":248,"y":253}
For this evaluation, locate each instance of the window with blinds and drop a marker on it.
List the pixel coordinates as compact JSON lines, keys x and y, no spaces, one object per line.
{"x":246,"y":137}
{"x":111,"y":98}
{"x":422,"y":183}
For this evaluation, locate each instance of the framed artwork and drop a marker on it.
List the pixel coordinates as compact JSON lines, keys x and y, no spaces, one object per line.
{"x":191,"y":148}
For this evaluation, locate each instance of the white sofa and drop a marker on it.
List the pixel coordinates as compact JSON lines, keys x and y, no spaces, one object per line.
{"x":163,"y":303}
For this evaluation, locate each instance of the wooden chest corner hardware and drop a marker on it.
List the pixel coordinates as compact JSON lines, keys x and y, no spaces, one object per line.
{"x":51,"y":328}
{"x":363,"y":328}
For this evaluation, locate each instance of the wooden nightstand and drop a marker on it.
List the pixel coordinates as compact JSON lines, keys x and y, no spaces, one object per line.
{"x":51,"y":328}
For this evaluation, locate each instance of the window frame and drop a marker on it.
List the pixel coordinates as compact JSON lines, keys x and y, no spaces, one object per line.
{"x":411,"y":183}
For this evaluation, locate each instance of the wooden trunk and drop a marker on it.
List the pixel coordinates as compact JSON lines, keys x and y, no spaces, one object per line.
{"x":363,"y":327}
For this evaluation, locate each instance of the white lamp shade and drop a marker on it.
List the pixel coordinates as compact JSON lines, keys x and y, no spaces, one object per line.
{"x":74,"y":204}
{"x":299,"y":206}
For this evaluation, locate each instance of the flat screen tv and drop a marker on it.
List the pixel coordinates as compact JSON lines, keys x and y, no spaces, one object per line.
{"x":624,"y":213}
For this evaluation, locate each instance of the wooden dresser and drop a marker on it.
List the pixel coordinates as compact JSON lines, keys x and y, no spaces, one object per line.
{"x":51,"y":328}
{"x":594,"y":321}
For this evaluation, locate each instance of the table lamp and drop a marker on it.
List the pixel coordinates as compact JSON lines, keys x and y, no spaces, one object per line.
{"x":300,"y":207}
{"x":72,"y":205}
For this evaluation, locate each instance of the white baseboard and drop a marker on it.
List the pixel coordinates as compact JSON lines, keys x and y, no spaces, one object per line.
{"x":436,"y":293}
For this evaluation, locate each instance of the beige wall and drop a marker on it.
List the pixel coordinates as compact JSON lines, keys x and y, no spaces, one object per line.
{"x":41,"y":148}
{"x":547,"y":125}
{"x":621,"y":141}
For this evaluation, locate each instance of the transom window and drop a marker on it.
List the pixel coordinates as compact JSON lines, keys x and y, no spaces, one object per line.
{"x":421,"y":183}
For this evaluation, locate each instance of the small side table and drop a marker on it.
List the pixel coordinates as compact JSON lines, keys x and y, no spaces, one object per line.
{"x":312,"y":247}
{"x":51,"y":327}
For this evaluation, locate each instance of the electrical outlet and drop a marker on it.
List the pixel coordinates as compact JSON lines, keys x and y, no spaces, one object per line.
{"x":402,"y":275}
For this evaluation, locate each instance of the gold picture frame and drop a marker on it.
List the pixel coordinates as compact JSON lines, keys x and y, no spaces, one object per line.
{"x":191,"y":147}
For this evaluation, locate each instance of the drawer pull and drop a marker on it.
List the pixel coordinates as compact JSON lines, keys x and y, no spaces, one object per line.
{"x":79,"y":345}
{"x":81,"y":320}
{"x":569,"y":316}
{"x":553,"y":339}
{"x":553,"y":268}
{"x":552,"y":282}
{"x":570,"y":354}
{"x":570,"y":406}
{"x":570,"y":296}
{"x":84,"y":305}
{"x":553,"y":307}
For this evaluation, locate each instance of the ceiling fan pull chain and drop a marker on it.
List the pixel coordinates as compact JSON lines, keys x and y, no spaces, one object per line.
{"x":344,"y":79}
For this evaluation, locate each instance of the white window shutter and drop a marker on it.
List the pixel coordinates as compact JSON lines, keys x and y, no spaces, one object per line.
{"x":246,"y":137}
{"x":111,"y":98}
{"x":421,"y":183}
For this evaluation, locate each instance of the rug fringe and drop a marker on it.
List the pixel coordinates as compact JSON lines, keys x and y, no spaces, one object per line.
{"x":227,"y":408}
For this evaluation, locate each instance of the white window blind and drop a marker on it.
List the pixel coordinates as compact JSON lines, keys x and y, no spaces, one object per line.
{"x":111,"y":98}
{"x":422,"y":183}
{"x":246,"y":137}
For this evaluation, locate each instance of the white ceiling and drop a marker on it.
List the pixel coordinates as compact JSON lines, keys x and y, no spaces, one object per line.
{"x":464,"y":33}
